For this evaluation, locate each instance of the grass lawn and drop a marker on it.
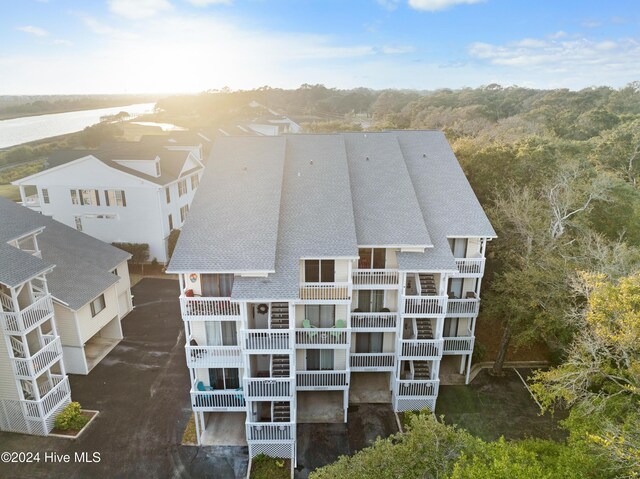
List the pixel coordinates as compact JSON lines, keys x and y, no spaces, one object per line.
{"x":491,"y":407}
{"x":265,"y":467}
{"x":11,"y":192}
{"x":189,"y":436}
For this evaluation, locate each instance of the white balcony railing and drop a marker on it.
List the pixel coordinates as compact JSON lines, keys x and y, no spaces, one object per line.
{"x":319,"y":338}
{"x":377,"y":321}
{"x":218,"y":400}
{"x":266,"y":339}
{"x":322,"y":379}
{"x":23,"y":320}
{"x":416,"y":388}
{"x":32,"y":201}
{"x":372,"y":361}
{"x":42,"y":359}
{"x":461,"y":308}
{"x":268,"y":388}
{"x":203,"y":308}
{"x":325,"y":292}
{"x":458,"y":345}
{"x":213,"y":356}
{"x":52,"y":395}
{"x":271,"y":431}
{"x":421,"y":348}
{"x":425,"y":305}
{"x":375,"y":277}
{"x":470,"y":266}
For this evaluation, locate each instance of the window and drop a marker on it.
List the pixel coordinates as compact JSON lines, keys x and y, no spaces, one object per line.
{"x":369,"y":342}
{"x":371,"y":258}
{"x":183,"y":213}
{"x":157,"y":168}
{"x":182,"y":187}
{"x":455,"y":288}
{"x":319,"y":271}
{"x":319,"y":359}
{"x":78,"y":223}
{"x":102,"y":217}
{"x":115,"y":197}
{"x":85,"y":197}
{"x":370,"y":301}
{"x":167,"y":194}
{"x":97,"y":305}
{"x":458,"y":247}
{"x":170,"y":222}
{"x":320,"y":315}
{"x":224,"y":378}
{"x":45,"y":196}
{"x":450,"y":329}
{"x":221,"y":333}
{"x":195,"y":181}
{"x":216,"y":285}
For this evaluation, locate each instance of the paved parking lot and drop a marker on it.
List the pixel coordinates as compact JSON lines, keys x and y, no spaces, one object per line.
{"x":141,"y":390}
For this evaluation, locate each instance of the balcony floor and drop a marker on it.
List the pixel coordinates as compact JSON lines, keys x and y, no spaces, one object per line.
{"x":224,"y":429}
{"x":450,"y":370}
{"x":367,"y":388}
{"x":97,"y":348}
{"x":320,"y":407}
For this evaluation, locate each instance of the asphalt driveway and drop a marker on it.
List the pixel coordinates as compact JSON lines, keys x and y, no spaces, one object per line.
{"x":141,"y":390}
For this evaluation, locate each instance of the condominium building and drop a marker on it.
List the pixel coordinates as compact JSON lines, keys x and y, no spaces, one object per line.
{"x":312,"y":265}
{"x":62,"y":297}
{"x":128,"y":192}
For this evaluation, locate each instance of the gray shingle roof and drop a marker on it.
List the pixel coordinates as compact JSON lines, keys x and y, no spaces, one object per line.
{"x":82,"y":263}
{"x":411,"y":192}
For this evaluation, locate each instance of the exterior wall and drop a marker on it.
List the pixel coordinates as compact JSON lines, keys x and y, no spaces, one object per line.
{"x":88,"y":325}
{"x":123,"y":289}
{"x":8,"y":388}
{"x":67,"y":325}
{"x":75,"y":361}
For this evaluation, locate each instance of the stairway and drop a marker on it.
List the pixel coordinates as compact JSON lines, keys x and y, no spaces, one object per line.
{"x":280,"y":366}
{"x":280,"y":315}
{"x":427,"y":284}
{"x":17,"y":348}
{"x":282,"y":411}
{"x":423,"y":328}
{"x":421,"y":370}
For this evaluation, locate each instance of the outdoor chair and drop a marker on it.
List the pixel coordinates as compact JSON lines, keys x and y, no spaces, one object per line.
{"x":340,"y":324}
{"x":306,"y":324}
{"x":201,"y":387}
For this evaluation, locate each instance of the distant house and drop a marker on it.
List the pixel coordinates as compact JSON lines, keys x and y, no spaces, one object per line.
{"x":62,"y":297}
{"x":130,"y":192}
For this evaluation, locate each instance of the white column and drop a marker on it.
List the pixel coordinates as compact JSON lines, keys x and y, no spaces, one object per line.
{"x":466,"y":379}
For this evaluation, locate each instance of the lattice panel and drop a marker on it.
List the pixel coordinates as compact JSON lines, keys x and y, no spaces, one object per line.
{"x":12,"y":417}
{"x":415,"y":404}
{"x":273,"y":450}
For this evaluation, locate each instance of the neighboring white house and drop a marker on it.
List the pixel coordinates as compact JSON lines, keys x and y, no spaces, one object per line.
{"x":62,"y":297}
{"x":134,"y":192}
{"x":316,"y":270}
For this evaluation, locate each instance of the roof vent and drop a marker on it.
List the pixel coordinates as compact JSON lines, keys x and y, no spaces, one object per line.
{"x":424,"y":155}
{"x":311,"y":162}
{"x":367,"y":158}
{"x":244,"y":168}
{"x":298,"y":174}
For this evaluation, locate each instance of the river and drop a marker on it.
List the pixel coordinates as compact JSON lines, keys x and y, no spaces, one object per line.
{"x":30,"y":128}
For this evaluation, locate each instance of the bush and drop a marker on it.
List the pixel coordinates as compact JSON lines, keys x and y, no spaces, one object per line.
{"x":71,"y":417}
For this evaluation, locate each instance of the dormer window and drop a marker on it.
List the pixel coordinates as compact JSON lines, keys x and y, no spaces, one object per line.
{"x":158,"y":172}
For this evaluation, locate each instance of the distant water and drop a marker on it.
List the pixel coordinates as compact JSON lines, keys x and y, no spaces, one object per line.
{"x":30,"y":128}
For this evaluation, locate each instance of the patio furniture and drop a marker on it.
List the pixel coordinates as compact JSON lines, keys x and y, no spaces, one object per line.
{"x":340,"y":324}
{"x":471,"y":295}
{"x":201,"y":387}
{"x":306,"y":324}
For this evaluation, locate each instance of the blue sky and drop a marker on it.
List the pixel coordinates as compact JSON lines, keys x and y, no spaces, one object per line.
{"x":131,"y":46}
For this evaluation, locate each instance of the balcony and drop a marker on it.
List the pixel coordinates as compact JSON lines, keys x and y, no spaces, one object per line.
{"x":268,"y":389}
{"x":213,"y":356}
{"x":32,"y":366}
{"x":363,"y":322}
{"x":27,"y":318}
{"x":378,"y":278}
{"x":372,"y":361}
{"x":421,"y":348}
{"x":266,"y":341}
{"x":271,"y":431}
{"x":54,"y":394}
{"x":32,"y":201}
{"x":322,"y":338}
{"x":417,"y":388}
{"x":459,"y":345}
{"x":325,"y":292}
{"x":425,"y":306}
{"x":469,"y":267}
{"x":322,"y":380}
{"x":463,"y":308}
{"x":209,"y":308}
{"x":220,"y":400}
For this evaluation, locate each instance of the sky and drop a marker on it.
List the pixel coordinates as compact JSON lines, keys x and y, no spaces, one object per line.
{"x":180,"y":46}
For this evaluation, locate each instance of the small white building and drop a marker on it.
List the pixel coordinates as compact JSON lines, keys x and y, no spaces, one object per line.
{"x":134,"y":192}
{"x":62,"y":297}
{"x":333,"y":268}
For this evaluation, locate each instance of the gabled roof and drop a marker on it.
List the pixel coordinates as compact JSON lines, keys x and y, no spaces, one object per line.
{"x":338,"y":192}
{"x":82,"y":263}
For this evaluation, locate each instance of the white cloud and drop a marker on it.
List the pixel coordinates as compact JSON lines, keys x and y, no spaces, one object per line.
{"x":390,"y":5}
{"x":435,"y":5}
{"x":138,"y":8}
{"x":37,"y":31}
{"x":62,"y":41}
{"x":206,"y":3}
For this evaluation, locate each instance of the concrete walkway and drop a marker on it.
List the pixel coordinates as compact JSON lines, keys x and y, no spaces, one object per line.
{"x":142,"y":392}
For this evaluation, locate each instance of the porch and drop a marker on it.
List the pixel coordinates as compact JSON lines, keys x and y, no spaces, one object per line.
{"x":101,"y":343}
{"x":370,"y":388}
{"x":223,"y":429}
{"x":450,"y":367}
{"x":321,"y":406}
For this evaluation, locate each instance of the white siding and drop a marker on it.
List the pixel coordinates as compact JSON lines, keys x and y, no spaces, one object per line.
{"x":8,"y":389}
{"x":91,"y":325}
{"x":66,"y":324}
